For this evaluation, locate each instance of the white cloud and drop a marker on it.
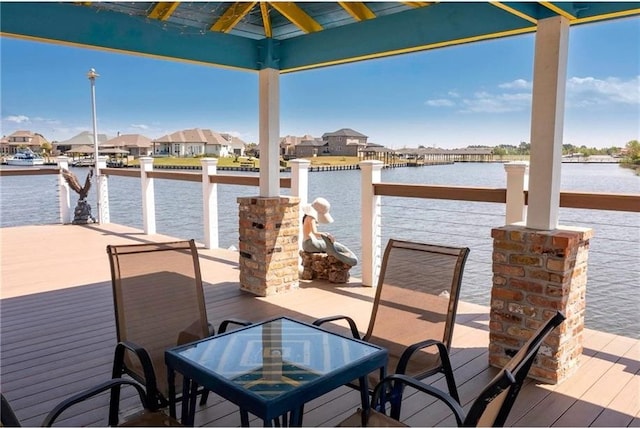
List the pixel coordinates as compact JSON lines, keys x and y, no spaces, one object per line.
{"x":17,"y":118}
{"x":486,"y":102}
{"x":441,"y":102}
{"x":232,"y":133}
{"x":139,"y":126}
{"x":516,"y":84}
{"x":46,"y":121}
{"x":589,"y":91}
{"x":516,"y":95}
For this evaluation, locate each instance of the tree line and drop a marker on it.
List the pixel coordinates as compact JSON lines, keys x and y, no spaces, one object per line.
{"x":524,"y":148}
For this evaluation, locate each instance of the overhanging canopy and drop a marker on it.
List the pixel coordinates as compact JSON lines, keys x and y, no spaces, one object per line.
{"x":286,"y":36}
{"x":276,"y":37}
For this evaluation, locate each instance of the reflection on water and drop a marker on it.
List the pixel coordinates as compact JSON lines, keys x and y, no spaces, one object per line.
{"x":613,"y":261}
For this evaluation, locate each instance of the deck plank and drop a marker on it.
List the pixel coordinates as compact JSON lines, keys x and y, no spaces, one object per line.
{"x":600,"y":395}
{"x":566,"y":394}
{"x":57,"y":334}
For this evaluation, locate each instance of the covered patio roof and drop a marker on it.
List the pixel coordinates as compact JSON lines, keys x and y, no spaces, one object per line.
{"x":277,"y":37}
{"x":287,"y":36}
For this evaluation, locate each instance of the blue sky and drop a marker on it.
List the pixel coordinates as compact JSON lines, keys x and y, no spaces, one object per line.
{"x":476,"y":94}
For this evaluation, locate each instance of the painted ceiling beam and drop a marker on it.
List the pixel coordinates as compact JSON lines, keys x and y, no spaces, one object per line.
{"x":297,"y":16}
{"x":417,"y":3}
{"x":358,"y":10}
{"x":73,"y":25}
{"x":448,"y":24}
{"x":163,"y":10}
{"x":605,"y":15}
{"x":528,"y":15}
{"x":232,"y":16}
{"x":401,"y":33}
{"x":266,"y":20}
{"x":558,"y":10}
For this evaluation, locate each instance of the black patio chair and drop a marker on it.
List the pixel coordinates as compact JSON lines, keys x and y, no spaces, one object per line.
{"x":145,"y":417}
{"x":492,"y":406}
{"x":414,"y":309}
{"x":159,"y":304}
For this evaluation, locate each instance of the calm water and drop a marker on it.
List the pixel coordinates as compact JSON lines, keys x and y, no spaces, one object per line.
{"x":613,"y":290}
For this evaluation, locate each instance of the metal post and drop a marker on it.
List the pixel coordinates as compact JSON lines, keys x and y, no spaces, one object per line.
{"x":92,"y":79}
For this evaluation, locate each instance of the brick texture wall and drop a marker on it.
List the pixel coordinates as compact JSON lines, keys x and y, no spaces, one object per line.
{"x":268,"y":246}
{"x":536,"y":273}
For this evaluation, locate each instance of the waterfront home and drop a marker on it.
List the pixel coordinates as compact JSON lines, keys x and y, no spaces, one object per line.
{"x":288,"y":144}
{"x":23,"y":140}
{"x":344,"y":142}
{"x":136,"y":144}
{"x":192,"y":142}
{"x":311,"y":147}
{"x":85,"y":138}
{"x":237,"y":146}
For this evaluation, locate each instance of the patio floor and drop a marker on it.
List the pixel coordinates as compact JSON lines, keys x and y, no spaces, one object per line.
{"x":57,"y":336}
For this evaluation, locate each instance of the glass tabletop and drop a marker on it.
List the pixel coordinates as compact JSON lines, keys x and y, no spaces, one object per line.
{"x":275,"y":357}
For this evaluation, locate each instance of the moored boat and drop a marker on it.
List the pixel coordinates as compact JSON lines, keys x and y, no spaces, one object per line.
{"x":25,"y":158}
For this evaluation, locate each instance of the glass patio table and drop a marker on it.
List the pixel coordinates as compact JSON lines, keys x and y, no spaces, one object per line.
{"x":271,"y":369}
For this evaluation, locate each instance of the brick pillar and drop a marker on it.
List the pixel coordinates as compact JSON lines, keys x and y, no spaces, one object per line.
{"x":535,"y":273}
{"x":268,"y":244}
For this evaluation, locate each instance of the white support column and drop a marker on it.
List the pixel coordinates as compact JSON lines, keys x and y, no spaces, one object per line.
{"x":300,"y":179}
{"x":210,"y":203}
{"x":64,"y":195}
{"x":103,"y":193}
{"x":371,"y":229}
{"x":300,"y":185}
{"x":148,"y":196}
{"x":517,"y":182}
{"x":269,"y":133}
{"x":547,"y":122}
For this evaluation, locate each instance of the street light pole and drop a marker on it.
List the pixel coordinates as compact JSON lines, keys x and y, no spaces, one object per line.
{"x":92,"y":78}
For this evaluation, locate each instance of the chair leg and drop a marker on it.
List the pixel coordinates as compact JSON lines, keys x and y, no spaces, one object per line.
{"x":204,"y":397}
{"x":116,"y":372}
{"x":244,"y":418}
{"x":395,"y":398}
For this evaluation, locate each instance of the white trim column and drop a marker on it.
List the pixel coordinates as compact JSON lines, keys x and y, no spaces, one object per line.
{"x":269,"y":132}
{"x":370,"y":228}
{"x":517,"y":182}
{"x":547,"y":122}
{"x":104,"y":216}
{"x":66,"y":213}
{"x":300,"y":186}
{"x":148,"y":196}
{"x":210,"y":203}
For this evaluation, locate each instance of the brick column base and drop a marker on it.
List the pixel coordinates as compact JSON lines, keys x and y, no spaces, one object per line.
{"x":536,"y":273}
{"x":268,"y":245}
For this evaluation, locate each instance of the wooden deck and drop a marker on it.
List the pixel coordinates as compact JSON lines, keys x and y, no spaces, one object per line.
{"x":57,"y":338}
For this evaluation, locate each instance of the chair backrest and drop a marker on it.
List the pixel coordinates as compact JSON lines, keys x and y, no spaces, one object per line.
{"x":493,"y":405}
{"x":158,"y":299}
{"x":416,"y":300}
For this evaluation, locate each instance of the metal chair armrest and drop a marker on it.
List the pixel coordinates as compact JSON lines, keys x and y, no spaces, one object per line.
{"x":225,"y":324}
{"x":147,"y":367}
{"x":444,"y":368}
{"x":350,"y":321}
{"x":82,"y":396}
{"x":400,"y":381}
